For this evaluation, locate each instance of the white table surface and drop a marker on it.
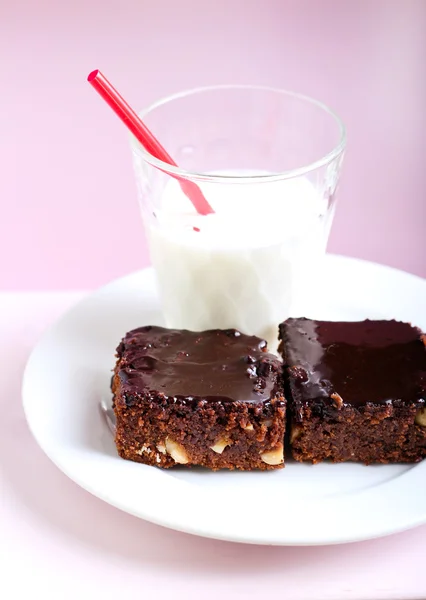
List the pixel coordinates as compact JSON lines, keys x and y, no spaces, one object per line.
{"x":57,"y":541}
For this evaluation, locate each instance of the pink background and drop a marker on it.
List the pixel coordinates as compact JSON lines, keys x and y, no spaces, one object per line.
{"x":69,"y":216}
{"x":69,"y":219}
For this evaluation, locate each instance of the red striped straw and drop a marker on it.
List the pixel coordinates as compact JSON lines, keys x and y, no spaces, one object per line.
{"x":146,"y":138}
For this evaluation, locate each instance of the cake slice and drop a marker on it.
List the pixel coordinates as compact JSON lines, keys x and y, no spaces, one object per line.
{"x":212,"y":398}
{"x":356,"y":390}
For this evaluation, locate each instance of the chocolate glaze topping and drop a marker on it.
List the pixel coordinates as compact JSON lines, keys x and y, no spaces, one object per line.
{"x":211,"y":365}
{"x":364,"y":362}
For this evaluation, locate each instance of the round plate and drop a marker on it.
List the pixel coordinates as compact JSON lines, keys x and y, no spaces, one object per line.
{"x":68,"y":375}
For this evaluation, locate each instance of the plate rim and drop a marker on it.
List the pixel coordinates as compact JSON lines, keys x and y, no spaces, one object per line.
{"x":165,"y":520}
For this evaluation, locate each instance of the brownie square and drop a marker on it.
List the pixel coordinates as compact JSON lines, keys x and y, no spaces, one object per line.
{"x":212,"y":398}
{"x":356,"y":390}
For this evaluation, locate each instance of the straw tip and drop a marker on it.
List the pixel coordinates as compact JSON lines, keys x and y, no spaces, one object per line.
{"x":92,"y":75}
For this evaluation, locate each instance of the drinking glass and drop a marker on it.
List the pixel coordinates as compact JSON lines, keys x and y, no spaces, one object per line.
{"x":268,"y":162}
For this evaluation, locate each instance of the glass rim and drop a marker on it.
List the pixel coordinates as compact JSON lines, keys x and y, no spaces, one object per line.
{"x":259,"y":178}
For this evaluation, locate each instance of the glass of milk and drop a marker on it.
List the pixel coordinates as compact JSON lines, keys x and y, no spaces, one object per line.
{"x":268,"y":162}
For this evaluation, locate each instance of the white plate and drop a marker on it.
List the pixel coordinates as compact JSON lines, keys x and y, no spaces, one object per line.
{"x":69,"y":373}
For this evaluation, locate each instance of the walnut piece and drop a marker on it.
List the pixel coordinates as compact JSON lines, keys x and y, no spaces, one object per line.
{"x":273,"y":457}
{"x":421,"y":417}
{"x":296,"y":432}
{"x":161,"y":448}
{"x":337,"y":399}
{"x":248,"y":427}
{"x":220,"y":445}
{"x":176,"y":451}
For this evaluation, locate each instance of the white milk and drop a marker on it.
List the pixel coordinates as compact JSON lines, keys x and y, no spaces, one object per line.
{"x":247,"y":262}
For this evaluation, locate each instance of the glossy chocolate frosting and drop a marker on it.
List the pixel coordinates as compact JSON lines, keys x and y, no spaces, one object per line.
{"x":214,"y":365}
{"x":355,"y":363}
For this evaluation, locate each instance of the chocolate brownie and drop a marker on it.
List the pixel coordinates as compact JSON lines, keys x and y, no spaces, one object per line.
{"x":212,"y":398}
{"x":356,"y":390}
